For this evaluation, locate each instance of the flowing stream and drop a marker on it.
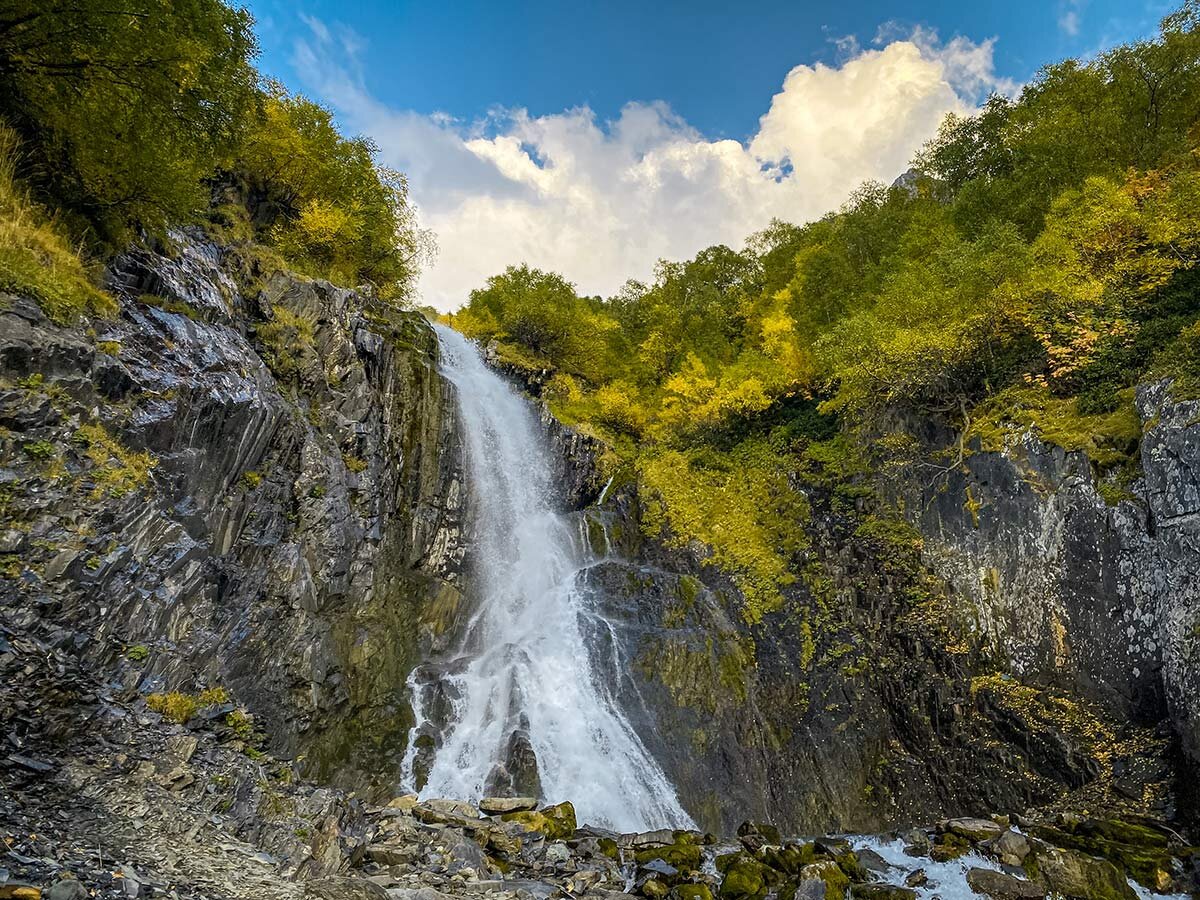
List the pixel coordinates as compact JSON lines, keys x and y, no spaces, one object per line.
{"x":524,"y":672}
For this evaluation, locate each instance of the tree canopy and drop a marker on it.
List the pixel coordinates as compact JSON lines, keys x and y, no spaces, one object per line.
{"x":1042,"y":264}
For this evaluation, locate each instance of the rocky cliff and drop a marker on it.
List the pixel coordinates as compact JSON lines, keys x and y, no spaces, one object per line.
{"x":237,"y":511}
{"x":242,"y":484}
{"x":1026,"y":644}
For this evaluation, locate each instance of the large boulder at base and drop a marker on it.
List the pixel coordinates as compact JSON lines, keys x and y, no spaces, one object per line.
{"x":1077,"y":876}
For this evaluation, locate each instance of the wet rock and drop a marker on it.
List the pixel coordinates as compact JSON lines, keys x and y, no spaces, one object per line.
{"x":1077,"y":875}
{"x":873,"y":862}
{"x":916,"y":879}
{"x":693,"y":892}
{"x":827,"y":872}
{"x":877,"y":891}
{"x":916,"y":842}
{"x":1010,"y":848}
{"x":1002,"y":886}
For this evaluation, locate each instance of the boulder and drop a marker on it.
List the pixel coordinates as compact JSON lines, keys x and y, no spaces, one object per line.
{"x":830,"y":874}
{"x":496,"y":806}
{"x":1077,"y":876}
{"x":1010,"y":848}
{"x":555,"y":822}
{"x":451,"y":808}
{"x":974,"y":830}
{"x":1002,"y":886}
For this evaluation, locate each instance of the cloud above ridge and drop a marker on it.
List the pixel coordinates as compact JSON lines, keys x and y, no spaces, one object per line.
{"x":602,"y":201}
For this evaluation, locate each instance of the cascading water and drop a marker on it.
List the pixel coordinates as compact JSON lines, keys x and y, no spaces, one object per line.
{"x":524,"y":671}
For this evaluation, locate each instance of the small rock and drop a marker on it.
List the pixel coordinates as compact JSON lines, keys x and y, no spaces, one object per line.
{"x":404,"y":803}
{"x":873,"y":862}
{"x":66,"y":889}
{"x":16,"y":890}
{"x":1002,"y":886}
{"x":660,"y":867}
{"x":181,"y":747}
{"x":558,"y":853}
{"x":1010,"y":848}
{"x":917,"y":878}
{"x":653,"y":888}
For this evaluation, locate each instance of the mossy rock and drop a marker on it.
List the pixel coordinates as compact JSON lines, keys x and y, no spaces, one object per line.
{"x":610,"y":849}
{"x":555,"y":822}
{"x":683,"y":856}
{"x":1073,"y":874}
{"x":693,"y":892}
{"x":745,"y":877}
{"x":654,"y":888}
{"x":790,"y":859}
{"x":769,"y":833}
{"x":828,"y":871}
{"x":949,"y":846}
{"x":1141,"y":851}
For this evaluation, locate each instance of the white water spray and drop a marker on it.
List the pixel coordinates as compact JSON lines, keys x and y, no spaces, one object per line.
{"x":524,"y":660}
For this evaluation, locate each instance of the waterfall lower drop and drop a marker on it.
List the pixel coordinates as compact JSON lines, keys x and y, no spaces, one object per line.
{"x":523,"y":677}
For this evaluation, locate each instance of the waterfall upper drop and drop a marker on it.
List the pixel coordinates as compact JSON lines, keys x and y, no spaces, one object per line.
{"x":523,"y":678}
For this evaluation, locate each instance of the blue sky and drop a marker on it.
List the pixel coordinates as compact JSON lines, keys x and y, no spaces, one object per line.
{"x":593,"y":137}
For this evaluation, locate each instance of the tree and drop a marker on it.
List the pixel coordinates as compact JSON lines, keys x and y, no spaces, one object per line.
{"x":126,"y":106}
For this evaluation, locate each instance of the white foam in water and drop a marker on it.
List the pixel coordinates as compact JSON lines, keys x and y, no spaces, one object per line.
{"x":524,"y":653}
{"x":948,"y":880}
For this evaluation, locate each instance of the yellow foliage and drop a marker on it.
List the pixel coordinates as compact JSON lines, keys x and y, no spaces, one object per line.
{"x":740,"y":507}
{"x":118,"y":470}
{"x":179,"y":707}
{"x":35,"y":258}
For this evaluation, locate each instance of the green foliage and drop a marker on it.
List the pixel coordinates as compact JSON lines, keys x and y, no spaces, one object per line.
{"x":319,"y":198}
{"x":126,"y":106}
{"x":40,"y":450}
{"x":1108,"y":438}
{"x":739,"y":505}
{"x":179,"y":707}
{"x":287,"y":341}
{"x":137,"y":653}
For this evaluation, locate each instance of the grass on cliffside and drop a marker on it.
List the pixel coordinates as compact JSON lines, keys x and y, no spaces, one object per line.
{"x":36,"y":259}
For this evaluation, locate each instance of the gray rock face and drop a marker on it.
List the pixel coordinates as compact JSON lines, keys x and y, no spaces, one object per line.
{"x":1070,"y":591}
{"x":288,"y":525}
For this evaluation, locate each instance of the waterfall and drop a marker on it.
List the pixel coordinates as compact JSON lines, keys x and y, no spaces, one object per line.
{"x":522,"y":678}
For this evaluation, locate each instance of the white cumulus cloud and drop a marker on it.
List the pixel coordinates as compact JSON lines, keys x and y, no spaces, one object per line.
{"x":602,"y":201}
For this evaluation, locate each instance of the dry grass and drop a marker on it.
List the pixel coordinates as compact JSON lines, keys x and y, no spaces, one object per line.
{"x":36,"y":258}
